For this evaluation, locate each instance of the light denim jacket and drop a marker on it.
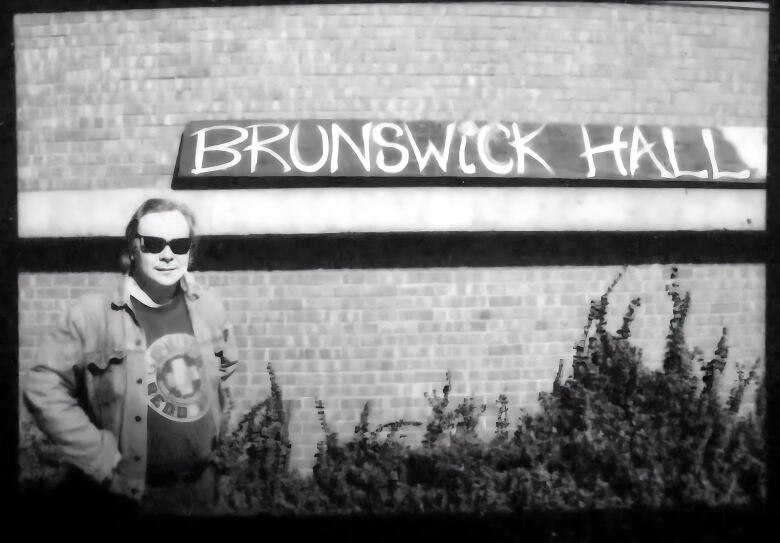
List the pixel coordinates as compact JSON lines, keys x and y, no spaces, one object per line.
{"x":86,"y":389}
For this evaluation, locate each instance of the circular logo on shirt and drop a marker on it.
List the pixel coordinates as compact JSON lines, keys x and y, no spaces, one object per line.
{"x":176,"y":378}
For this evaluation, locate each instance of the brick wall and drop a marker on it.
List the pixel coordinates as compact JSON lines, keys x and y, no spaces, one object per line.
{"x":103,"y":96}
{"x":347,"y":336}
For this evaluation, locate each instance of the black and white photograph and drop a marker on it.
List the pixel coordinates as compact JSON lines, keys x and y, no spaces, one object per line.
{"x":406,"y":260}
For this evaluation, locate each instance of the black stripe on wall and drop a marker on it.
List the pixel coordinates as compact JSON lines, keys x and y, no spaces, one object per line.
{"x":409,"y":250}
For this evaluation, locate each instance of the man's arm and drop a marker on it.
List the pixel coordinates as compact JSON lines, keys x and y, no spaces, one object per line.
{"x":50,"y":394}
{"x":227,"y":352}
{"x":228,"y":357}
{"x":225,"y":347}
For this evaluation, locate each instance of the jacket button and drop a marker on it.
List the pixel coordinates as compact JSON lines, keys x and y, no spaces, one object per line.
{"x":139,"y":381}
{"x":137,"y":458}
{"x":134,"y":491}
{"x":138,"y":342}
{"x":138,"y":418}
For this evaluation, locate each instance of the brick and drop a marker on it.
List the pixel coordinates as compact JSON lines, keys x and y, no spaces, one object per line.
{"x":352,"y":403}
{"x":52,"y":292}
{"x":725,"y":308}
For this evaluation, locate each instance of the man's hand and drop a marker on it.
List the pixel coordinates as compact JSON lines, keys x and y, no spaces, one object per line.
{"x":107,"y":481}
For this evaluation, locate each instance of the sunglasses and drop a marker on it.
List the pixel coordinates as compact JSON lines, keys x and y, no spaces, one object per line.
{"x":151,"y":244}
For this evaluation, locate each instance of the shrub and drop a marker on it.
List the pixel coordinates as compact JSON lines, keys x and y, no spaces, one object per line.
{"x":366,"y":474}
{"x":629,"y":436}
{"x":254,"y":459}
{"x":614,"y":434}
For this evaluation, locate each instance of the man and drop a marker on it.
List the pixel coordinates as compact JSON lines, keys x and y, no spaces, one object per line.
{"x":130,"y":386}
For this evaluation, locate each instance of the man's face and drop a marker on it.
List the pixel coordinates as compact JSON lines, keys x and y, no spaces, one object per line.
{"x":164,"y":268}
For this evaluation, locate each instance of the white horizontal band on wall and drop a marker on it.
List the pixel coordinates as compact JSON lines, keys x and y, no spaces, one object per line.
{"x":296,"y":211}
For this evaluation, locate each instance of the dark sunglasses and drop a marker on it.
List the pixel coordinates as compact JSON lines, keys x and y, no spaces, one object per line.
{"x":151,"y":244}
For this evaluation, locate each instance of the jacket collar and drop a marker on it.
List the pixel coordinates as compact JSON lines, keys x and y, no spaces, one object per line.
{"x":121,"y":297}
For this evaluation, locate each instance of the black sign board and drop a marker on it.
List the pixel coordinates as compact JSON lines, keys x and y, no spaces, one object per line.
{"x":290,"y":153}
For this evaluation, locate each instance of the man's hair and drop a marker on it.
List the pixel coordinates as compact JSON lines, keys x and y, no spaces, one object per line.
{"x":155,"y":205}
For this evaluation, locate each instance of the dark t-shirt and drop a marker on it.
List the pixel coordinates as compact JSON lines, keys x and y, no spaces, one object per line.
{"x":180,"y":429}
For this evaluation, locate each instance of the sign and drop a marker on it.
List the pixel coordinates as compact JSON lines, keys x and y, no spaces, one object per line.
{"x":389,"y":151}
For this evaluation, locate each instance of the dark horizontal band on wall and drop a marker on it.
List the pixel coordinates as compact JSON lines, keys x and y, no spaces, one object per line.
{"x":410,"y":250}
{"x":223,"y":183}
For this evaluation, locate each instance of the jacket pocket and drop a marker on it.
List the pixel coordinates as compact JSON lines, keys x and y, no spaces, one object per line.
{"x":106,"y":376}
{"x":99,"y":362}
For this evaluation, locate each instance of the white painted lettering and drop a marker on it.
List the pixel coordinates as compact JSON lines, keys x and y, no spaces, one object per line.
{"x":647,"y":148}
{"x":519,"y":144}
{"x":431,"y":151}
{"x":255,"y":146}
{"x":615,"y":147}
{"x":380,"y":159}
{"x":669,"y":144}
{"x":201,"y":148}
{"x":706,"y":135}
{"x":466,"y":168}
{"x":338,"y":133}
{"x":468,"y":130}
{"x":484,"y":150}
{"x":295,"y":155}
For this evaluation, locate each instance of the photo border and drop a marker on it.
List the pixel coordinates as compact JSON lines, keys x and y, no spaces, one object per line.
{"x":695,"y":524}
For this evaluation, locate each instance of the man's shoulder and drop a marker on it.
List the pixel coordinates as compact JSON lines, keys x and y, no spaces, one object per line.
{"x":196,"y":287}
{"x":90,"y":312}
{"x":92,"y":301}
{"x":202,"y":294}
{"x":98,"y":300}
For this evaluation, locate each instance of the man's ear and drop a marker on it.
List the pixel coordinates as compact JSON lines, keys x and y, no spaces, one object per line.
{"x":125,"y":263}
{"x":134,"y":254}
